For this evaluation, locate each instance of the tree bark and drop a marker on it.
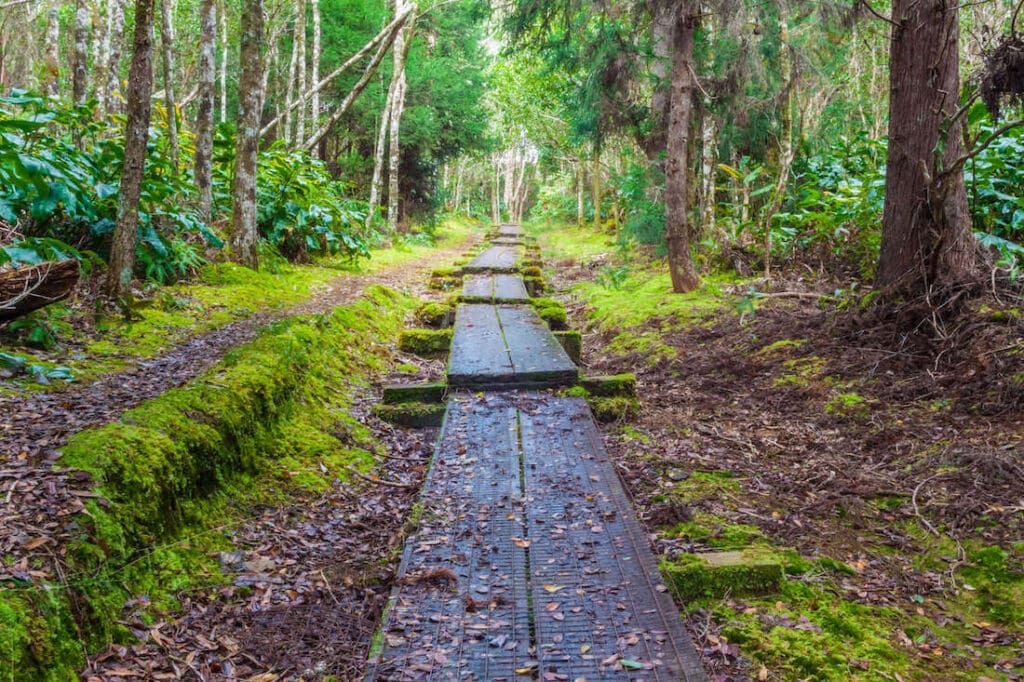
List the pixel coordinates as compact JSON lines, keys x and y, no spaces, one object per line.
{"x":663,"y":38}
{"x":204,"y":111}
{"x":787,"y":149}
{"x":250,"y":102}
{"x":224,"y":64}
{"x":314,"y":78}
{"x":136,"y":134}
{"x":378,"y":154}
{"x":395,"y":152}
{"x":31,"y":287}
{"x":595,"y":186}
{"x":926,"y":235}
{"x":80,"y":74}
{"x":170,"y":79}
{"x":52,"y":66}
{"x":300,"y":40}
{"x":111,"y":103}
{"x":100,"y":25}
{"x":678,"y":229}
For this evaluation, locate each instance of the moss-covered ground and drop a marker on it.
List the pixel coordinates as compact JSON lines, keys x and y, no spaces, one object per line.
{"x":886,"y":493}
{"x":269,"y":425}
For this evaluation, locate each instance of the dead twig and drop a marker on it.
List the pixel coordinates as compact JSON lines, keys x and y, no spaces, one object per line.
{"x":380,"y":481}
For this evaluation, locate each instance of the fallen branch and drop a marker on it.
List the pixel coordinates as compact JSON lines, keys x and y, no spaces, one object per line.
{"x":370,"y":479}
{"x":31,"y":287}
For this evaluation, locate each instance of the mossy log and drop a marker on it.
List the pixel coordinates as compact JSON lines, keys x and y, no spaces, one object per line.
{"x":427,"y":343}
{"x":432,"y":392}
{"x":613,"y":408}
{"x":32,"y":287}
{"x":609,"y":386}
{"x":572,"y":344}
{"x":746,"y":573}
{"x":436,"y":315}
{"x":412,"y":415}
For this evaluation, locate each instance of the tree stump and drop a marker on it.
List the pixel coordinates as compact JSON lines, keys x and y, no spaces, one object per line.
{"x":31,"y":287}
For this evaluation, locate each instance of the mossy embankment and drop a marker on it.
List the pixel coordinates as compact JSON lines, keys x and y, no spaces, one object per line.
{"x":270,"y":424}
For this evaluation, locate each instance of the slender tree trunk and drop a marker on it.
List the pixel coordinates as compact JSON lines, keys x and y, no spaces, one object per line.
{"x":378,"y":154}
{"x":663,"y":38}
{"x":224,"y":64}
{"x":293,"y":66}
{"x":136,"y":134}
{"x":707,"y":166}
{"x":595,"y":186}
{"x":100,"y":24}
{"x":170,"y":79}
{"x":495,"y":189}
{"x":926,"y":235}
{"x":678,"y":230}
{"x":52,"y":67}
{"x":204,"y":110}
{"x":395,"y":152}
{"x":300,"y":39}
{"x":314,"y":116}
{"x":80,"y":75}
{"x":111,"y":103}
{"x":250,"y":102}
{"x":580,"y":204}
{"x":787,"y":149}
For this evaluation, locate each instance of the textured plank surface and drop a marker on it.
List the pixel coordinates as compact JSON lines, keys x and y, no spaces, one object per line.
{"x":495,"y":259}
{"x":537,"y":357}
{"x":498,"y":288}
{"x":478,"y":286}
{"x":464,"y":549}
{"x":478,"y":352}
{"x":523,"y":499}
{"x":506,"y":346}
{"x":510,"y":230}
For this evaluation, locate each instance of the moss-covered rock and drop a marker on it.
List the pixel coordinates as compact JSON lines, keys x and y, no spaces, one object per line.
{"x":530,"y":271}
{"x":436,"y":315}
{"x":572,"y":343}
{"x":413,"y":415}
{"x":433,"y":392}
{"x":555,"y":317}
{"x":614,"y":385}
{"x":746,"y":573}
{"x":614,"y":408}
{"x":427,"y":343}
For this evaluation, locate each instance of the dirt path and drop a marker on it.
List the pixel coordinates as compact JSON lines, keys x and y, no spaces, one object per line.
{"x":35,"y":497}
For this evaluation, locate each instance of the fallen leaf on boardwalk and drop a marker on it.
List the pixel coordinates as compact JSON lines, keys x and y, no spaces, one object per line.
{"x":36,"y":542}
{"x":585,"y":648}
{"x":552,"y":606}
{"x":520,"y":542}
{"x":631,"y":664}
{"x":526,"y":670}
{"x":553,"y":588}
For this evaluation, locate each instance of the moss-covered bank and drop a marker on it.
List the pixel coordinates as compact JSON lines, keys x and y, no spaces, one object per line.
{"x":269,"y":424}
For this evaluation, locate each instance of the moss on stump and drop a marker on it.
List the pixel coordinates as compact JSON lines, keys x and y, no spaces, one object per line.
{"x":609,"y":386}
{"x":427,"y":343}
{"x":613,"y":408}
{"x":716,"y":575}
{"x":413,"y":415}
{"x":433,"y":392}
{"x":436,"y":315}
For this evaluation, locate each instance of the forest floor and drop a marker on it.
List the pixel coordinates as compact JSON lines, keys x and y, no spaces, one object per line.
{"x":307,"y":587}
{"x":881,"y":465}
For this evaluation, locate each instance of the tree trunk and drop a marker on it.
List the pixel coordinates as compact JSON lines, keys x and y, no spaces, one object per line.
{"x":224,"y":64}
{"x":595,"y":186}
{"x":395,"y":151}
{"x":926,"y":235}
{"x":677,"y":166}
{"x":314,"y":116}
{"x":495,"y":189}
{"x":250,"y":102}
{"x":52,"y":67}
{"x":204,"y":110}
{"x":289,"y":96}
{"x":80,"y":74}
{"x":300,"y":40}
{"x":32,"y":287}
{"x":99,"y":37}
{"x":136,"y":134}
{"x":378,"y":154}
{"x":170,"y":79}
{"x":709,"y":131}
{"x":663,"y":38}
{"x":787,"y":149}
{"x":111,"y":103}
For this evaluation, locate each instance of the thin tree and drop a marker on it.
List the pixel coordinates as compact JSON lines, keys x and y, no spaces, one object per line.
{"x":204,"y":110}
{"x":80,"y":73}
{"x":250,"y":102}
{"x":314,"y":117}
{"x":52,"y":64}
{"x":224,"y":63}
{"x":167,"y":45}
{"x":111,"y":102}
{"x":140,"y":86}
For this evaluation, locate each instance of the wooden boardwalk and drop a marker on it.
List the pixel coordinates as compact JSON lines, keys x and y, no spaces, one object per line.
{"x":527,"y":562}
{"x":497,"y":288}
{"x":495,"y":259}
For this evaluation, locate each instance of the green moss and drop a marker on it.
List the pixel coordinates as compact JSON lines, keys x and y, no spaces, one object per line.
{"x":701,"y":485}
{"x":618,"y":384}
{"x":530,"y":271}
{"x":534,"y":285}
{"x":847,"y":405}
{"x":720,"y":574}
{"x":781,"y":345}
{"x":415,"y":415}
{"x":554,"y":316}
{"x":435,"y":315}
{"x":428,"y":343}
{"x":613,"y":409}
{"x":432,"y":392}
{"x":37,"y":636}
{"x":572,"y":342}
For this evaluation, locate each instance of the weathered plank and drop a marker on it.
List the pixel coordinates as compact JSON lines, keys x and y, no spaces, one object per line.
{"x":460,"y":610}
{"x":478,"y":287}
{"x":507,"y":241}
{"x":537,"y":357}
{"x":479,"y":356}
{"x":597,"y":595}
{"x":495,"y":259}
{"x":510,"y":230}
{"x":509,"y":289}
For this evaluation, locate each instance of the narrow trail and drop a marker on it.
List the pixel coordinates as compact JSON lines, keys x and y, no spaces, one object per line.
{"x":528,"y":562}
{"x":36,"y":496}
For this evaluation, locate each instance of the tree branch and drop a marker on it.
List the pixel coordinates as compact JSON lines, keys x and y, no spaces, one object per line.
{"x":959,"y":163}
{"x":876,"y":13}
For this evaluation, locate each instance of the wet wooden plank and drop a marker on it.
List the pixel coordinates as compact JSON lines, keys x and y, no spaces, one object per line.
{"x":509,"y":289}
{"x":465,"y":548}
{"x":537,"y":357}
{"x":495,"y":259}
{"x":479,"y":356}
{"x":597,"y":594}
{"x":478,"y":287}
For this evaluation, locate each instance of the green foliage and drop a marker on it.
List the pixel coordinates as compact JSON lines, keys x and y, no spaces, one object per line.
{"x":301,"y":210}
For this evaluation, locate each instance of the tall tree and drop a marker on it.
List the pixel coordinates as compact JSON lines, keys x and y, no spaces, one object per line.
{"x":112,"y":49}
{"x":52,"y":68}
{"x":204,"y":110}
{"x":136,"y":134}
{"x":403,"y":40}
{"x":678,"y":228}
{"x":926,"y":235}
{"x":250,"y":103}
{"x":170,"y":78}
{"x":314,"y":76}
{"x":80,"y":74}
